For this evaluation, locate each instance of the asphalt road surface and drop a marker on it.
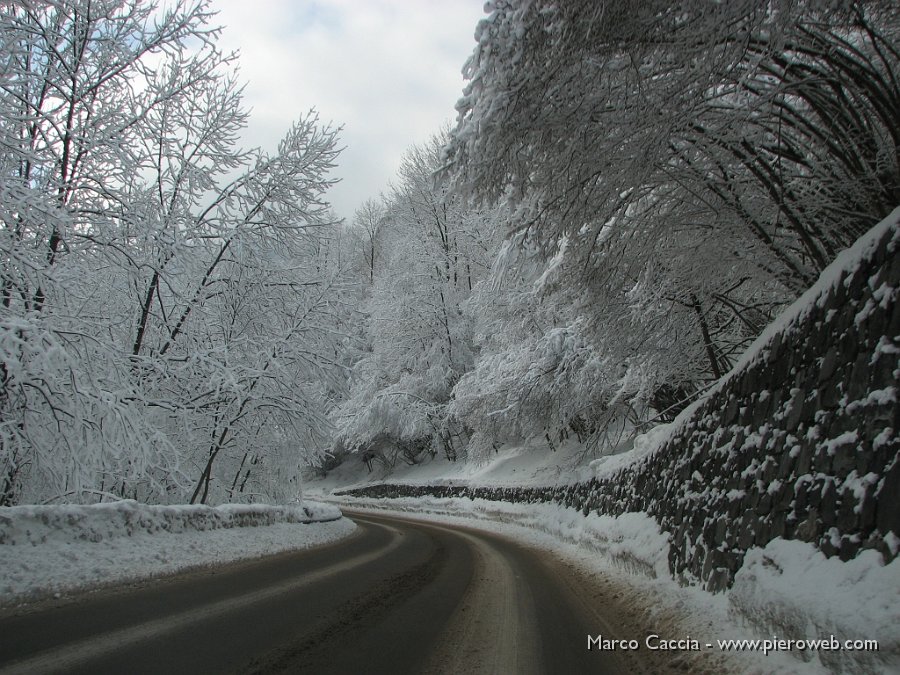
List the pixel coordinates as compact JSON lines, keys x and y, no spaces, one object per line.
{"x":399,"y":596}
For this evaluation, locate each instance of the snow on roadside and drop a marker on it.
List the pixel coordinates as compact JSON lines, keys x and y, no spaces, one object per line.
{"x":51,"y":550}
{"x":788,"y":590}
{"x":792,"y":589}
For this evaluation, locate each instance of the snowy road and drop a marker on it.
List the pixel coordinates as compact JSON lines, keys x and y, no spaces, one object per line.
{"x":398,"y":597}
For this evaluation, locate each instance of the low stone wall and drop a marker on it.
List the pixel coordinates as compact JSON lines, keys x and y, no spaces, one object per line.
{"x":799,"y":441}
{"x":35,"y":525}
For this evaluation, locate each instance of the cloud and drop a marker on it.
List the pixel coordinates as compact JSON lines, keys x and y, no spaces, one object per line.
{"x":387,"y":70}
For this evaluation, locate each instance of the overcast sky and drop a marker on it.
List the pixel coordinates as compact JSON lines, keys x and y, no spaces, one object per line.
{"x":387,"y":70}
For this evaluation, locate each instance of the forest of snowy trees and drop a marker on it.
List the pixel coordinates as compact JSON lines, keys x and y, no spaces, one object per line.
{"x":647,"y":184}
{"x":631,"y":192}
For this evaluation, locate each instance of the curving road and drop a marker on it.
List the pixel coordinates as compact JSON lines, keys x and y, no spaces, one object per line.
{"x":400,"y":596}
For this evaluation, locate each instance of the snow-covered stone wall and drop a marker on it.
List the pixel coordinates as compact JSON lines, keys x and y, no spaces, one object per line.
{"x":799,"y":441}
{"x":73,"y":523}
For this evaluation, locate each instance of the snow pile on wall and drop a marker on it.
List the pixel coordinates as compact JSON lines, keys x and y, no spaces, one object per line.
{"x":790,"y":589}
{"x":35,"y":525}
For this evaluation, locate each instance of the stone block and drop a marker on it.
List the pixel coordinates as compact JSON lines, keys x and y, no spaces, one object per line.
{"x":829,"y":394}
{"x":844,"y":460}
{"x":847,"y":519}
{"x":747,"y":534}
{"x":784,"y":498}
{"x":810,"y":529}
{"x":867,"y":511}
{"x":822,"y":460}
{"x":888,"y":512}
{"x":828,"y":505}
{"x":761,"y":413}
{"x":719,"y":580}
{"x":804,"y":457}
{"x":801,"y":497}
{"x":848,"y":549}
{"x":697,"y":557}
{"x":729,"y":415}
{"x":676,"y":560}
{"x":769,"y":470}
{"x":857,"y":384}
{"x":763,"y":532}
{"x":794,"y":410}
{"x":826,"y":546}
{"x":721,"y":528}
{"x":777,"y":524}
{"x":828,"y":365}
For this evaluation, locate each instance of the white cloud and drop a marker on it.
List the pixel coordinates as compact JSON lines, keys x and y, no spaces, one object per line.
{"x":388,"y":70}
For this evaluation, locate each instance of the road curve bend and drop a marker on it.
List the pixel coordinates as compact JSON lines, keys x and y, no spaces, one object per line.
{"x":399,"y":596}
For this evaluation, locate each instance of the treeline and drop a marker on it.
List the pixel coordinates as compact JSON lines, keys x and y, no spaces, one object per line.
{"x":631,"y":192}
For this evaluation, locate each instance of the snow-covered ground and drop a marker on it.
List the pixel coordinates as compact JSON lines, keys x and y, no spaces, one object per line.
{"x":787,"y":590}
{"x":53,"y":550}
{"x":534,"y":464}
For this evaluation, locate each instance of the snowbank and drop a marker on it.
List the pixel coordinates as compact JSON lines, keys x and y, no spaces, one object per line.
{"x":791,"y":589}
{"x":48,"y":550}
{"x":632,"y":541}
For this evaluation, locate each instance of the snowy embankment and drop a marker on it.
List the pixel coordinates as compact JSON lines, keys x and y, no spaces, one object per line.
{"x":51,"y":550}
{"x":787,"y":590}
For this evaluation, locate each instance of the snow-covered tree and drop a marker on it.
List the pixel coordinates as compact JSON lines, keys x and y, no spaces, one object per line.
{"x":170,"y":317}
{"x":683,"y":168}
{"x":433,"y":252}
{"x":368,"y":221}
